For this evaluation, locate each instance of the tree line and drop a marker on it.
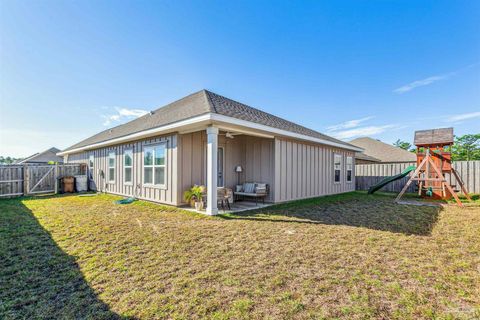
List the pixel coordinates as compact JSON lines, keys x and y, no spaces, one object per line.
{"x":8,"y":160}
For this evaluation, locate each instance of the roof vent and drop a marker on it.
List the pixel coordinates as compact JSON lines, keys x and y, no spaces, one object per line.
{"x":151,"y":112}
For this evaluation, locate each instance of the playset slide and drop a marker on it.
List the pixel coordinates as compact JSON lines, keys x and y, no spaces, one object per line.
{"x":387,"y":180}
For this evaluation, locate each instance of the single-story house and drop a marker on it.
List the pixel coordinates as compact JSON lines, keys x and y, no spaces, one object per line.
{"x":202,"y":139}
{"x":362,"y":158}
{"x":44,"y":157}
{"x":376,"y":151}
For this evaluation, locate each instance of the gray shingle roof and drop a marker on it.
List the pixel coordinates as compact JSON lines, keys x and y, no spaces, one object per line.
{"x":234,"y":109}
{"x":363,"y":156}
{"x":197,"y":104}
{"x":383,"y":151}
{"x":187,"y":107}
{"x":43,"y":157}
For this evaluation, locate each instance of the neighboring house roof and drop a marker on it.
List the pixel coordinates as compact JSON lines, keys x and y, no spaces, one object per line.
{"x":363,"y":156}
{"x":203,"y":103}
{"x":433,"y":136}
{"x":43,"y":157}
{"x":383,"y":151}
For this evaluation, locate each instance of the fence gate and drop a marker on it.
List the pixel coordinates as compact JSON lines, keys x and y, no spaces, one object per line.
{"x":17,"y":180}
{"x":40,"y":179}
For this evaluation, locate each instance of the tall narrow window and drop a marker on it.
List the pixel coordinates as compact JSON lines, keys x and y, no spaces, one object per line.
{"x":128,"y":166}
{"x":349,"y":169}
{"x":154,"y":165}
{"x":337,"y":166}
{"x":91,"y":165}
{"x":111,"y":166}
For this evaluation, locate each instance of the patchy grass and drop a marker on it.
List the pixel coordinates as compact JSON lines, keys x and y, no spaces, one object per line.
{"x":348,"y":256}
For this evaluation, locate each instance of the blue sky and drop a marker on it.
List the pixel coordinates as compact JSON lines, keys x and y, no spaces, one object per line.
{"x":346,"y":68}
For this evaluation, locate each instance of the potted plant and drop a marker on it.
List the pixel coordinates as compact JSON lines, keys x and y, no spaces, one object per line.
{"x":194,"y":197}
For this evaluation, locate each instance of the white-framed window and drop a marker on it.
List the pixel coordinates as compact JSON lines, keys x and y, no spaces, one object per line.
{"x":349,"y":169}
{"x":154,"y":160}
{"x":128,"y":166}
{"x":91,"y":165}
{"x":111,"y":166}
{"x":337,"y":167}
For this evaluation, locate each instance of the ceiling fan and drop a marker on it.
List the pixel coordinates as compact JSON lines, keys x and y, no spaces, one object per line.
{"x":229,"y":135}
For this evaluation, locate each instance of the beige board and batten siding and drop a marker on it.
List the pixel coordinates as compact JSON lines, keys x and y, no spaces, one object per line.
{"x":260,"y":163}
{"x":167,"y":194}
{"x":305,"y":170}
{"x":254,"y":154}
{"x":293,"y":169}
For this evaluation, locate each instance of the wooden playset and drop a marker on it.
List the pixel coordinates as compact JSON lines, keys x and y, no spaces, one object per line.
{"x":434,"y":161}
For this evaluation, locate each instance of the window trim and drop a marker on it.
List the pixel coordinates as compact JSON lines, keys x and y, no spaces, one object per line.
{"x":125,"y":152}
{"x":351,"y":169}
{"x":341,"y":163}
{"x":114,"y":166}
{"x":153,"y":166}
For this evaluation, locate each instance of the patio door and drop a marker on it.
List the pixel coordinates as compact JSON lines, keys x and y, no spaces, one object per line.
{"x":220,"y":167}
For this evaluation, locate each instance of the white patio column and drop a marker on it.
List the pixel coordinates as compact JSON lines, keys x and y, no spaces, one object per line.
{"x":212,"y":146}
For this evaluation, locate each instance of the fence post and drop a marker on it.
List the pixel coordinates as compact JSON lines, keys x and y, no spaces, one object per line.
{"x":55,"y":177}
{"x":26,"y":179}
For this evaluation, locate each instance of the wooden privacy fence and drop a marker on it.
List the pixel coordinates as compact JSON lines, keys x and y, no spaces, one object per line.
{"x":18,"y":180}
{"x":367,"y":175}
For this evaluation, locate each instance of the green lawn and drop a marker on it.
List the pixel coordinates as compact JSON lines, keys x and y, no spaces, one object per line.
{"x":350,"y":256}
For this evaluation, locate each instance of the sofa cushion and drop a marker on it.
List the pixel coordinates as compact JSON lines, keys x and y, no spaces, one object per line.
{"x":238,"y":188}
{"x":249,"y":187}
{"x":261,"y":191}
{"x":261,"y":186}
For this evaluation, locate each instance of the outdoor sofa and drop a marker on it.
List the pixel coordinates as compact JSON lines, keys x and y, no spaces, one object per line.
{"x":254,"y":190}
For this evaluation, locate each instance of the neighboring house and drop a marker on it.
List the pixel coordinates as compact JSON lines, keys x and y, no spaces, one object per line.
{"x":381,"y":152}
{"x":44,"y":157}
{"x":362,"y":158}
{"x":201,"y":139}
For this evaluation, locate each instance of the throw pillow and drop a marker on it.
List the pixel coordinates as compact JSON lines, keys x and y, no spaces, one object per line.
{"x":249,"y":187}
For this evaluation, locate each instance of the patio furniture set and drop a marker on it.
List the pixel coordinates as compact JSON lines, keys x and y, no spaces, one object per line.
{"x":248,"y":190}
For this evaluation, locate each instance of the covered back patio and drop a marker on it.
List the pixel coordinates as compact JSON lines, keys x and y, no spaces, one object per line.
{"x":222,"y":159}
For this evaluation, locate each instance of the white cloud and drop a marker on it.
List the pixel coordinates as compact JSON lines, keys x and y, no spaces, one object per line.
{"x":348,"y":124}
{"x":123,"y":114}
{"x":421,"y":83}
{"x":131,"y":112}
{"x":351,"y":129}
{"x":463,"y":116}
{"x":427,"y":81}
{"x":363,"y":131}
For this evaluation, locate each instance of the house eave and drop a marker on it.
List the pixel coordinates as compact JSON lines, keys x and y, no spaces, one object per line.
{"x":279,"y":132}
{"x":205,"y":120}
